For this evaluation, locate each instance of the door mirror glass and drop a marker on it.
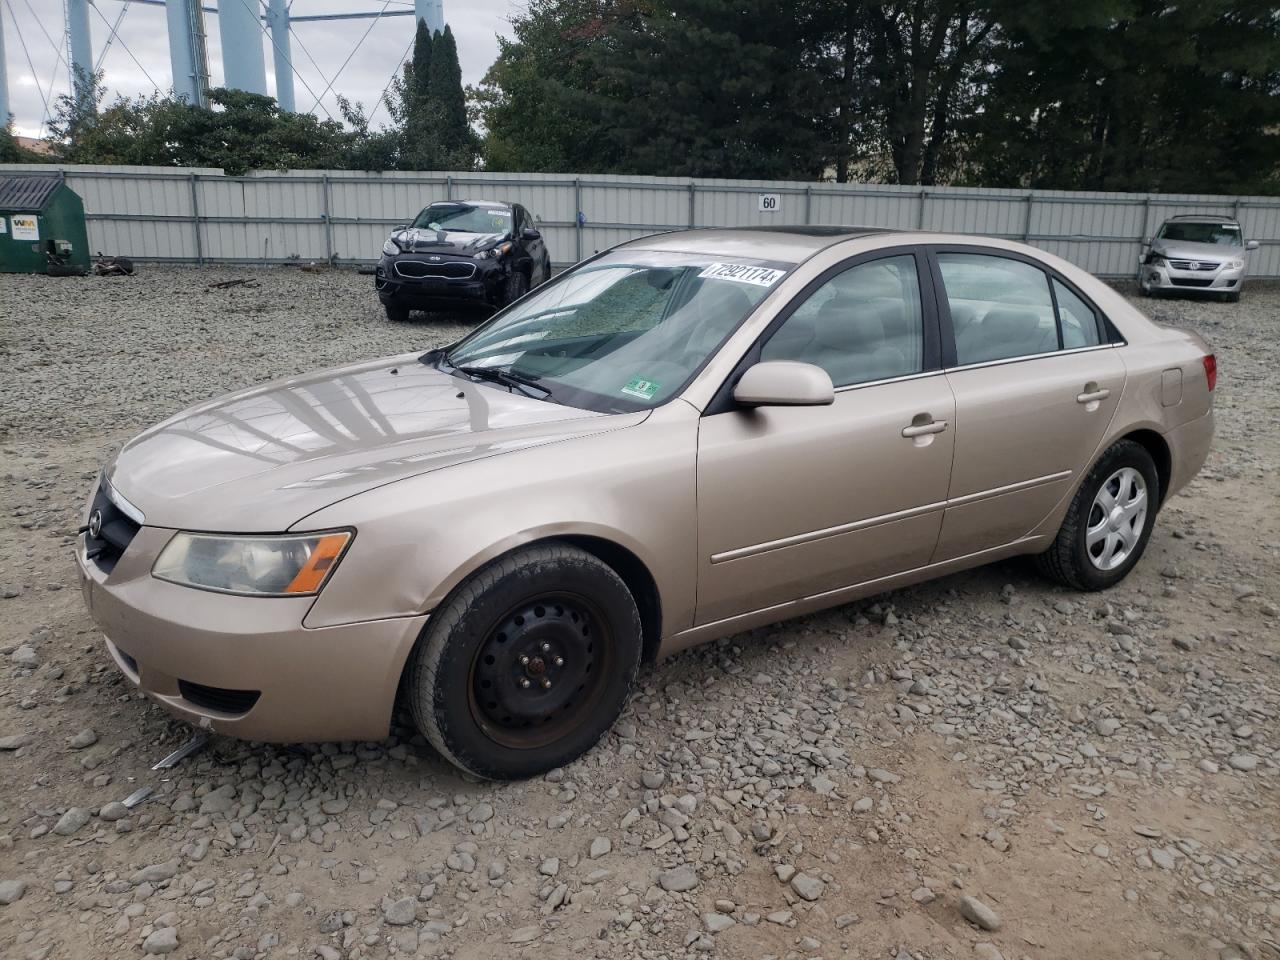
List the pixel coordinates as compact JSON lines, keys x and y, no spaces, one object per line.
{"x":784,"y":383}
{"x":1251,"y":245}
{"x":530,"y":234}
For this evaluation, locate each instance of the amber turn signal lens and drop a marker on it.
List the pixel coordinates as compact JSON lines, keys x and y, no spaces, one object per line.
{"x":319,"y":564}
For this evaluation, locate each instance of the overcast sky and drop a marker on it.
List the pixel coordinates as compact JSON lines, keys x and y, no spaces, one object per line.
{"x":142,"y":33}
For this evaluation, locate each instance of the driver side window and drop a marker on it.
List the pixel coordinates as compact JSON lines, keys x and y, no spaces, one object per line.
{"x":862,"y":325}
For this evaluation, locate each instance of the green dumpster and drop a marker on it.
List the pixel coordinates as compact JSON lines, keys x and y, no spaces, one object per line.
{"x":40,"y":215}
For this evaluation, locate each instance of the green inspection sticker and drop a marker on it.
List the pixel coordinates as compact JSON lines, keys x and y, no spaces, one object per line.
{"x":642,"y":388}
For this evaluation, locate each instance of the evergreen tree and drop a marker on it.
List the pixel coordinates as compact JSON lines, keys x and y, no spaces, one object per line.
{"x":1131,"y":95}
{"x":448,"y":102}
{"x":421,"y":63}
{"x":535,"y":102}
{"x":714,"y":88}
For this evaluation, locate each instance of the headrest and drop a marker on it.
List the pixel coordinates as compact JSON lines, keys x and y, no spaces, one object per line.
{"x":849,"y":325}
{"x":1005,"y":325}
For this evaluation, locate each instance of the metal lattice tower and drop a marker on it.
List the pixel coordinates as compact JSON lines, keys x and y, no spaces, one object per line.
{"x":243,"y":26}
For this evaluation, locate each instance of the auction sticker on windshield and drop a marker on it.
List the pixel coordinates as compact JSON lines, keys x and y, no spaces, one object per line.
{"x":742,"y":273}
{"x":642,"y":388}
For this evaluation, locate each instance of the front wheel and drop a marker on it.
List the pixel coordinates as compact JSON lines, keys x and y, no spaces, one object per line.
{"x":1109,"y":522}
{"x":516,"y":286}
{"x":396,"y":313}
{"x":527,"y":664}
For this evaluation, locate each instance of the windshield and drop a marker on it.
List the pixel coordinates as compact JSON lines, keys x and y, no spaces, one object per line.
{"x":464,"y":218}
{"x":1224,"y":234}
{"x":624,"y":332}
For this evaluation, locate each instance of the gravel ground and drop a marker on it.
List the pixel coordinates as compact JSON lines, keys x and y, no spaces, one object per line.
{"x":985,"y":766}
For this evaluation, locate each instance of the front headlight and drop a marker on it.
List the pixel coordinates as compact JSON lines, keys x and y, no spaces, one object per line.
{"x":1159,"y":261}
{"x":391,"y":248}
{"x":495,"y":252}
{"x":257,"y":566}
{"x":1236,"y":264}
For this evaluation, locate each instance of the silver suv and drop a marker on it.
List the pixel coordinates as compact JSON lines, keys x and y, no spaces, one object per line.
{"x":1195,"y":254}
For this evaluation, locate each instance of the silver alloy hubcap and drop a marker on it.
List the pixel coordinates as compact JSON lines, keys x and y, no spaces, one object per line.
{"x":1116,"y":519}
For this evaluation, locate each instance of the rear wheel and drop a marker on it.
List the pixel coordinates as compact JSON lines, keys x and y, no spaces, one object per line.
{"x":1109,"y":522}
{"x":396,"y":313}
{"x":527,"y":664}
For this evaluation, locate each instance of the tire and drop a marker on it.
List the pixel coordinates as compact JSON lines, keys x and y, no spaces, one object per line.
{"x":1232,"y":297}
{"x":1071,"y":559}
{"x":554,"y":709}
{"x":517,"y":286}
{"x":396,"y":313}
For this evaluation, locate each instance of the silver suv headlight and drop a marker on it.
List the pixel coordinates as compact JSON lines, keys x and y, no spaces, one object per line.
{"x":1235,"y":264}
{"x":290,"y":565}
{"x":391,"y":248}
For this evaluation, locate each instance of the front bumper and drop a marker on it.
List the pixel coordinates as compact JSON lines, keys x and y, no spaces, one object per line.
{"x":482,"y":285}
{"x":1167,"y":278}
{"x":245,"y":666}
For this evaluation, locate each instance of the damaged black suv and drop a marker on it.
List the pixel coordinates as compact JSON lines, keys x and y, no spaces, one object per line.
{"x":461,"y":251}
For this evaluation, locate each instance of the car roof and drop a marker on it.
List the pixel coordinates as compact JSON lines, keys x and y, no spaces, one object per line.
{"x":781,"y":243}
{"x":490,"y":204}
{"x":1201,"y":218}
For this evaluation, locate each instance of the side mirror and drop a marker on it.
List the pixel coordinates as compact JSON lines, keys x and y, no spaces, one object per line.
{"x":1146,"y":241}
{"x":784,"y":383}
{"x":399,"y":226}
{"x":1251,"y":245}
{"x":530,"y":234}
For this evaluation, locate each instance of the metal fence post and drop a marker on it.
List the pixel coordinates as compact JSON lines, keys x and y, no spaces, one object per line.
{"x":577,"y":219}
{"x":924,"y":197}
{"x":1146,"y":232}
{"x":448,"y":187}
{"x":195,"y":217}
{"x":808,"y":204}
{"x":692,"y":194}
{"x":328,"y":220}
{"x":1026,"y":220}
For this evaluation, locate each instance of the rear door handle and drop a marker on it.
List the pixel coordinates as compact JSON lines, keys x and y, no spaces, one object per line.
{"x":1092,"y":394}
{"x":921,"y":429}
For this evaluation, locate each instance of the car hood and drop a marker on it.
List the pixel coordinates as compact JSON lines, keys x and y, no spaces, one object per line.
{"x":1183,"y":250}
{"x":449,"y":242}
{"x":262,"y":459}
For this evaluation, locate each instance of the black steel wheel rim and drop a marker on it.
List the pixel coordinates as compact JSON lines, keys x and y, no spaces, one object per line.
{"x":540,"y":670}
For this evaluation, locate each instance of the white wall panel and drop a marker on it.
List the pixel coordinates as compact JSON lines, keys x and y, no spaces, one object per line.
{"x":149,"y":212}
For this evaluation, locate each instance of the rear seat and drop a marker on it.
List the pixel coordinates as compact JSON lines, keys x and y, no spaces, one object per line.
{"x":1004,"y":332}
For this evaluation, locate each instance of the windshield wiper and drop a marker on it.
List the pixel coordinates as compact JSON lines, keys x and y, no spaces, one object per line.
{"x":507,"y":378}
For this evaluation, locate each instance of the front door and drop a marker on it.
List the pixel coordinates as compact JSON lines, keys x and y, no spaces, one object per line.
{"x":1035,"y":385}
{"x":796,"y":501}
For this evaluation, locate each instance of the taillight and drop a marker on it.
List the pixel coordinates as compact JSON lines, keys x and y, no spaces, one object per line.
{"x":1211,"y":370}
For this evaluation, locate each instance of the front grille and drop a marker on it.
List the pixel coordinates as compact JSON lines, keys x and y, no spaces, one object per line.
{"x":449,"y":269}
{"x":219,"y":698}
{"x":117,"y":532}
{"x":1190,"y":282}
{"x":1188,"y":265}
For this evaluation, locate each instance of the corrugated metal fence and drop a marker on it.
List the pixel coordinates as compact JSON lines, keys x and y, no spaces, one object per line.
{"x":202,"y":216}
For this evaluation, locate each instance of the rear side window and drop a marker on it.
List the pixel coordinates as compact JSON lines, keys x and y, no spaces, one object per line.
{"x":863,"y":324}
{"x":1000,"y":308}
{"x":1079,"y":322}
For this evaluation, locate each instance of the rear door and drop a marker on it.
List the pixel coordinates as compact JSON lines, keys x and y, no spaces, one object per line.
{"x":1036,"y":384}
{"x":796,"y":501}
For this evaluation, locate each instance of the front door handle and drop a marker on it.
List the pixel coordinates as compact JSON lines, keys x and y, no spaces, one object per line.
{"x":1092,"y":393}
{"x":921,"y":429}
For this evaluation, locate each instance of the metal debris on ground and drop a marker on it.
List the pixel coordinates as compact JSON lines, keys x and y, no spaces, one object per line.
{"x":113,"y":266}
{"x":225,"y":284}
{"x":135,"y":798}
{"x":195,"y":744}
